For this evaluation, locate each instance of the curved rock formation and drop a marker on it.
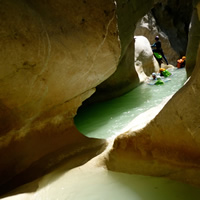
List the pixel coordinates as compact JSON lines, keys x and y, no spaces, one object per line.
{"x":169,"y":145}
{"x":53,"y":56}
{"x":145,"y":62}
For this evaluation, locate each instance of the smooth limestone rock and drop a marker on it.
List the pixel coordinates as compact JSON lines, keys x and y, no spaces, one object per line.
{"x":169,"y":145}
{"x":52,"y":56}
{"x":145,"y":62}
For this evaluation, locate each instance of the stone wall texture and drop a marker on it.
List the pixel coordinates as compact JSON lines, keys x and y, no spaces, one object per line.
{"x":53,"y":54}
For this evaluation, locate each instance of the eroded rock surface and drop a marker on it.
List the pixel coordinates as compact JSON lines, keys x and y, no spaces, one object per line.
{"x":53,"y":56}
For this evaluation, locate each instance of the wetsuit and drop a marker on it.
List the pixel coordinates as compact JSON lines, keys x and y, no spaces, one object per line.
{"x":158,"y":49}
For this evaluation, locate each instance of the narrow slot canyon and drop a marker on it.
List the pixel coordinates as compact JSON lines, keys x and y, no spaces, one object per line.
{"x":81,"y":115}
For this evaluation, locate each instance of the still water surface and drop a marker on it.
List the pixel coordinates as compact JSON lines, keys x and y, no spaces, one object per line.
{"x":105,"y":119}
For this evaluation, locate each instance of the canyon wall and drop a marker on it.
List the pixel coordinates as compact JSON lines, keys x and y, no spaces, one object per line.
{"x":169,"y":145}
{"x":53,"y":55}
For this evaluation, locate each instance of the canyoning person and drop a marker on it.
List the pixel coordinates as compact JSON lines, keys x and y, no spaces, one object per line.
{"x":161,"y":70}
{"x":154,"y":76}
{"x":159,"y":78}
{"x":164,"y":72}
{"x":158,"y":48}
{"x":181,"y":62}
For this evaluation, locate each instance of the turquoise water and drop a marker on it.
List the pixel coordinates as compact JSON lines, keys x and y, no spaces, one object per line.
{"x":105,"y":119}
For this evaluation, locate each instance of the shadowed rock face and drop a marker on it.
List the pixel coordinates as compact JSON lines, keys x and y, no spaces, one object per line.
{"x":193,"y":44}
{"x":174,"y":17}
{"x":53,"y":55}
{"x":170,"y":144}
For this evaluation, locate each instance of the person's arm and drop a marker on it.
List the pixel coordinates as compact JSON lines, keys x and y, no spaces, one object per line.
{"x":153,"y":45}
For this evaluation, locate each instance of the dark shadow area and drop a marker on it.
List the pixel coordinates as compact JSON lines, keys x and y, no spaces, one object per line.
{"x":174,"y":19}
{"x":49,"y":163}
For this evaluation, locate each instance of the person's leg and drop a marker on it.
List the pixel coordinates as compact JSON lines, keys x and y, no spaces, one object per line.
{"x":164,"y":57}
{"x":158,"y":60}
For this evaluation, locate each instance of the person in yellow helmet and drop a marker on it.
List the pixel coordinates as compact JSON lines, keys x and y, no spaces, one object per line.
{"x":181,"y":62}
{"x":183,"y":57}
{"x":161,"y":70}
{"x":164,"y":72}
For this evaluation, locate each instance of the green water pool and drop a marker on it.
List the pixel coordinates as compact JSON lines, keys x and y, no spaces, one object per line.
{"x":105,"y":119}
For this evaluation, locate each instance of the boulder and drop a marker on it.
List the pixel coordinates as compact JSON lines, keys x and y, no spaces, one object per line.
{"x":145,"y":62}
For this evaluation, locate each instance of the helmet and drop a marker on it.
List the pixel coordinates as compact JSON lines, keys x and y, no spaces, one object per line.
{"x":157,"y":37}
{"x":153,"y":74}
{"x":162,"y":69}
{"x":183,"y":58}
